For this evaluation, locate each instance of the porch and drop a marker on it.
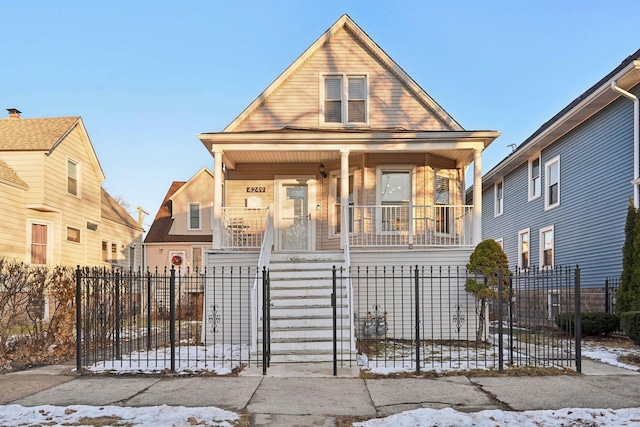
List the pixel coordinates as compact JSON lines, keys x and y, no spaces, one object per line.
{"x":373,"y":226}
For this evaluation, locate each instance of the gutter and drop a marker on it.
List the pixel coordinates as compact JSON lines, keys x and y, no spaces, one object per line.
{"x":636,"y":139}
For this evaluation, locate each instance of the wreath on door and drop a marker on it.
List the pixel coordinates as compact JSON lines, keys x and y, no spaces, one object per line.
{"x":176,"y":260}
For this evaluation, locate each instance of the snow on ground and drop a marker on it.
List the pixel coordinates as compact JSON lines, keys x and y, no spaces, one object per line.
{"x":81,"y":415}
{"x":494,"y":418}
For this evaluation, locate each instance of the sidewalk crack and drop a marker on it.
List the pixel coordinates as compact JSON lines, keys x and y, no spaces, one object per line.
{"x":503,"y":405}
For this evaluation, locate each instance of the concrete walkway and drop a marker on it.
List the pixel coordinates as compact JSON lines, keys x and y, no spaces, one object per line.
{"x":307,"y":395}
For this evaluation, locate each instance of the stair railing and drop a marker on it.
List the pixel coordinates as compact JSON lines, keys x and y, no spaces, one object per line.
{"x":256,"y":292}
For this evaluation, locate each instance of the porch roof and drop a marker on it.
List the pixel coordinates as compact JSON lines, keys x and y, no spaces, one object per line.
{"x":296,"y":145}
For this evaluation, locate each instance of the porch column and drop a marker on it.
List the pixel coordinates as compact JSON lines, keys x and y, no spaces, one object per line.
{"x":217,"y":199}
{"x":477,"y":196}
{"x":344,"y":197}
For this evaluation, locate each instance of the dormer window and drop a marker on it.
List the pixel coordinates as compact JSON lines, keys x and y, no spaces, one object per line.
{"x":344,"y":99}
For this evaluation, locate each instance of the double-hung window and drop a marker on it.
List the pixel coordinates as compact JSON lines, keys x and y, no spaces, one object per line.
{"x":194,"y":216}
{"x":498,"y":190}
{"x":547,"y":244}
{"x":73,"y":178}
{"x":534,"y":178}
{"x":523,"y":249}
{"x":344,"y":99}
{"x":552,"y":183}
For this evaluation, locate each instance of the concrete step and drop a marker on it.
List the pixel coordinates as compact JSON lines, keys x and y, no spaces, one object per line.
{"x":312,"y":332}
{"x":310,"y":357}
{"x":309,"y":321}
{"x":304,"y":257}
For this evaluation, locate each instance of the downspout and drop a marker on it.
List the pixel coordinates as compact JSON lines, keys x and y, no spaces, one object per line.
{"x":636,"y":140}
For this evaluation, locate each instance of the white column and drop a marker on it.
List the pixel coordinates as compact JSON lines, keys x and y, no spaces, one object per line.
{"x":217,"y":199}
{"x":477,"y":196}
{"x":344,"y":197}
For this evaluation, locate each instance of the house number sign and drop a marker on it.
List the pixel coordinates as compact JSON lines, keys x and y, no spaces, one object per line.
{"x":255,"y":189}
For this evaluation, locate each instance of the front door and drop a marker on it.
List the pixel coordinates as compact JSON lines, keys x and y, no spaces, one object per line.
{"x":295,"y":220}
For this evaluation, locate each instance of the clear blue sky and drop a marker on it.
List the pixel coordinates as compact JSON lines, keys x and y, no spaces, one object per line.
{"x":148,"y":76}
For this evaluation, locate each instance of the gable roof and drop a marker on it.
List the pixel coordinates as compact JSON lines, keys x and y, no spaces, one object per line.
{"x":346,"y":23}
{"x":10,"y":177}
{"x":626,"y":76}
{"x":43,"y":134}
{"x":111,"y":210}
{"x":193,"y":178}
{"x":34,"y":134}
{"x":159,"y":231}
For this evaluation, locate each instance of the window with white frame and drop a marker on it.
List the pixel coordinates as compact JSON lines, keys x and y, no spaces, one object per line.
{"x":547,"y":251}
{"x":105,"y":251}
{"x":114,"y":252}
{"x":39,"y":243}
{"x":524,"y":238}
{"x":194,"y":216}
{"x":498,"y":191}
{"x":73,"y":177}
{"x":442,"y":199}
{"x":336,"y":187}
{"x":73,"y":235}
{"x":394,"y":195}
{"x":344,"y":99}
{"x":534,"y":178}
{"x":552,"y":180}
{"x":500,"y":242}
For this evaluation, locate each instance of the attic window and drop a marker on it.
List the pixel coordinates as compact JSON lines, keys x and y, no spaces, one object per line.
{"x":73,"y":175}
{"x":344,"y":99}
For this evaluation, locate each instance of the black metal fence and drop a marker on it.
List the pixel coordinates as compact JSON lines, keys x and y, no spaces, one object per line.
{"x":400,"y":318}
{"x":175,"y":320}
{"x":422,"y":318}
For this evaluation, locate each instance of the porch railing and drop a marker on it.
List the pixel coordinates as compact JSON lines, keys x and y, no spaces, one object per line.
{"x":407,"y":225}
{"x":243,"y":228}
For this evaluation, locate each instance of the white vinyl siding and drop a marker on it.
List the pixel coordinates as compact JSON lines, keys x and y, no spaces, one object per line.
{"x":534,"y":178}
{"x":498,"y":191}
{"x":552,"y":180}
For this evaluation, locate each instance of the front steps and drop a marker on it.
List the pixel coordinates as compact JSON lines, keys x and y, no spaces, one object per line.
{"x":301,"y":312}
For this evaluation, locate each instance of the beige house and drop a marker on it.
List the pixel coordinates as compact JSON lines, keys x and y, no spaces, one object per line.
{"x":343,"y":160}
{"x":345,"y":136}
{"x":182,"y":228}
{"x":55,"y":209}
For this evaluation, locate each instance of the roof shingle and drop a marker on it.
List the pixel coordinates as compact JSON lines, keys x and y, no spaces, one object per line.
{"x":33,"y":134}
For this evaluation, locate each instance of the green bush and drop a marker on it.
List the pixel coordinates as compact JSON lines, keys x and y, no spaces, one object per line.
{"x":631,"y":325}
{"x":593,"y":323}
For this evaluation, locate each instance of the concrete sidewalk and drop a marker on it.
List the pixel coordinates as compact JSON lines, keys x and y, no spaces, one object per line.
{"x":308,"y":395}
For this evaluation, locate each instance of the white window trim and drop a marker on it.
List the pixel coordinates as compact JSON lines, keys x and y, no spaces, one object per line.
{"x":78,"y":178}
{"x":541,"y":247}
{"x":520,"y":251}
{"x":547,"y":165}
{"x":531,"y":187}
{"x":453,"y":196}
{"x":333,"y":201}
{"x":393,"y":168}
{"x":498,"y":204}
{"x":194,"y":250}
{"x":67,"y":234}
{"x":49,"y":240}
{"x":182,"y":254}
{"x":344,"y":100}
{"x":189,"y":228}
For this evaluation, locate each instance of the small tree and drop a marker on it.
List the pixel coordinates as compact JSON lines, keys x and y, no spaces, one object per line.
{"x":484,"y":263}
{"x":628,"y":297}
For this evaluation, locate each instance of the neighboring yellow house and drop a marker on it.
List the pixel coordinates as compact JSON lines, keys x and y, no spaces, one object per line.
{"x":55,"y":211}
{"x":182,"y":228}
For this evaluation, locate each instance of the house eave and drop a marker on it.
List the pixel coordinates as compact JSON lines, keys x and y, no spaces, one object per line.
{"x":593,"y":101}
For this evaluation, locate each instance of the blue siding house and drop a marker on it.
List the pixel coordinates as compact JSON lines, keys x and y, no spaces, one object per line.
{"x":561,"y":197}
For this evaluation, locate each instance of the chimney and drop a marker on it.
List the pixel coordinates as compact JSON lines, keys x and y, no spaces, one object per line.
{"x":14,"y":113}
